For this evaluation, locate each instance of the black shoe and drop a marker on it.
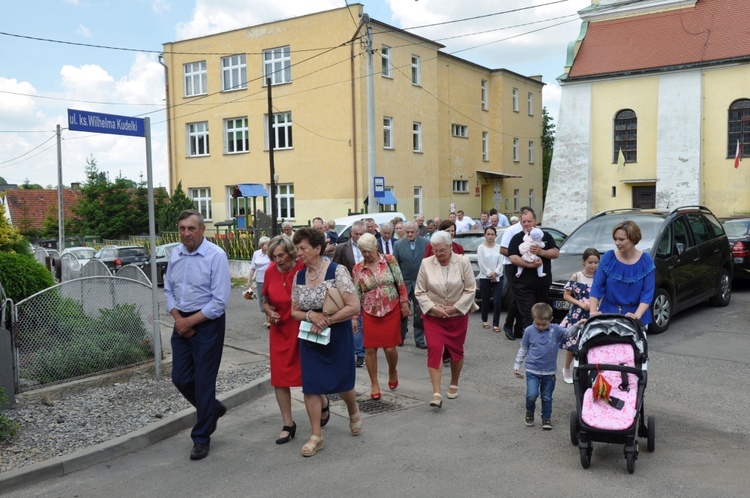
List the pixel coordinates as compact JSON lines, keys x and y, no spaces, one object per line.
{"x":326,"y":409}
{"x":217,"y":415}
{"x":509,"y":333}
{"x":200,"y":451}
{"x":360,"y":362}
{"x":291,"y":431}
{"x":422,"y":345}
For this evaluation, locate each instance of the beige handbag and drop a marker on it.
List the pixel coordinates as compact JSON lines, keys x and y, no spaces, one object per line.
{"x":333,"y":301}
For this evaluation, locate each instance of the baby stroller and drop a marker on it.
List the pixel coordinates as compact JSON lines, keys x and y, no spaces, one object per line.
{"x":611,"y":348}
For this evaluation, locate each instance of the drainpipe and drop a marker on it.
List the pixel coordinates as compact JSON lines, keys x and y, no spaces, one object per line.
{"x":169,"y":124}
{"x":354,"y":117}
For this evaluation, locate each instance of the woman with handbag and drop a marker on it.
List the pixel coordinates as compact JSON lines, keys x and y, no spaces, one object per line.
{"x":326,"y":368}
{"x":385,"y":302}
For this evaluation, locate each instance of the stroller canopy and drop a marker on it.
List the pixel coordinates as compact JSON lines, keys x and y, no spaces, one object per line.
{"x":617,"y":325}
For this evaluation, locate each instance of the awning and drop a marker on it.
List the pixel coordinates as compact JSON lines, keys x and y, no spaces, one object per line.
{"x":249,"y":190}
{"x":388,"y":200}
{"x":497,"y":174}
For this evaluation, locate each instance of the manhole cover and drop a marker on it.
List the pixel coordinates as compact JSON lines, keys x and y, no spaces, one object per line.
{"x":390,"y":402}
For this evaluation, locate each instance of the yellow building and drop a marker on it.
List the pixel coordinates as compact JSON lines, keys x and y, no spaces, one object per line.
{"x":673,"y":99}
{"x":447,"y":131}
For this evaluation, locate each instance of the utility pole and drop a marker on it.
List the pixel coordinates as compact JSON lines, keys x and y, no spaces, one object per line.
{"x":371,"y":166}
{"x":271,"y":147}
{"x":60,"y":212}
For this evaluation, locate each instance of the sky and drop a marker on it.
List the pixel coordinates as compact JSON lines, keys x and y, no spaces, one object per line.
{"x":48,"y":66}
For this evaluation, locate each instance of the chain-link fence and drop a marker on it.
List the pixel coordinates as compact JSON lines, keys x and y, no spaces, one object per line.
{"x":95,"y":268}
{"x":134,"y":273}
{"x":82,"y":327}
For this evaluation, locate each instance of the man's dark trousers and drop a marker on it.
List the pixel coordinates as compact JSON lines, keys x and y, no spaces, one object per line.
{"x":528,"y":294}
{"x":195,"y":365}
{"x":510,"y":302}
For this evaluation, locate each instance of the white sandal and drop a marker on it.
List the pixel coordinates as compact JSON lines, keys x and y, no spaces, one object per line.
{"x":312,"y":446}
{"x":437,"y":403}
{"x":355,"y":427}
{"x":451,"y":395}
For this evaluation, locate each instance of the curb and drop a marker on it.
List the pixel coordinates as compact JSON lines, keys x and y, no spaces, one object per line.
{"x":129,"y":443}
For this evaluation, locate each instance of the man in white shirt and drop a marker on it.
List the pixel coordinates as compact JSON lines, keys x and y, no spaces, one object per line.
{"x":385,"y":244}
{"x":463,"y":223}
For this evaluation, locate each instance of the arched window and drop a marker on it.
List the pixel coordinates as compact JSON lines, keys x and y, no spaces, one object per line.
{"x":739,"y":128}
{"x":625,"y":136}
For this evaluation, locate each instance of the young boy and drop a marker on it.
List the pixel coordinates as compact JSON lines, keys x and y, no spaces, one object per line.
{"x":539,"y":346}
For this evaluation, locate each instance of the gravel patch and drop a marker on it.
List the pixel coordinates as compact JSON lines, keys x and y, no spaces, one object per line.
{"x":76,"y":420}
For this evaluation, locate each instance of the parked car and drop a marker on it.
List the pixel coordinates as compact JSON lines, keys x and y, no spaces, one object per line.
{"x":344,"y":225}
{"x":82,"y":254}
{"x":162,"y":254}
{"x":115,"y":257}
{"x":738,"y":232}
{"x":688,"y":245}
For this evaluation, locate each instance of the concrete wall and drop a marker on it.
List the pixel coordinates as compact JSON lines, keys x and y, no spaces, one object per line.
{"x":6,"y":367}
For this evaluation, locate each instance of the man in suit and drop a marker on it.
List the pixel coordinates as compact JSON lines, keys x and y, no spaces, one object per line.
{"x":409,"y":252}
{"x":348,"y":254}
{"x":385,"y":244}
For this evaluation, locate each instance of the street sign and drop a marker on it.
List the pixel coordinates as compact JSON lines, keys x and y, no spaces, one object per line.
{"x":97,"y":122}
{"x":379,"y":186}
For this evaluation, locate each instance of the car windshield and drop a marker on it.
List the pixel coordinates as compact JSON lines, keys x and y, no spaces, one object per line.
{"x":132,"y":251}
{"x":737,"y":228}
{"x":83,"y":253}
{"x":597,"y":233}
{"x":470,"y":242}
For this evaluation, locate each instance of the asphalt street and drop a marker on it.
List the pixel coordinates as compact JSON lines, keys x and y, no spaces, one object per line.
{"x":476,"y":445}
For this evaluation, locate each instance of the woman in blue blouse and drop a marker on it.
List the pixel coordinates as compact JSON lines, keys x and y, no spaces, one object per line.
{"x":624,"y":282}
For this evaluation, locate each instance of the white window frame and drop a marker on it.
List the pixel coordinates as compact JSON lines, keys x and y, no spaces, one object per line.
{"x":460,"y":186}
{"x":282,"y":126}
{"x":515,"y":100}
{"x":388,"y":132}
{"x":515,"y":150}
{"x":233,"y":73}
{"x":531,"y":152}
{"x":485,"y":146}
{"x":530,"y":103}
{"x":201,"y":197}
{"x":531,"y":198}
{"x":416,"y":70}
{"x":197,"y":139}
{"x":416,"y":135}
{"x":232,"y":128}
{"x":516,"y":193}
{"x":194,"y":79}
{"x":277,"y":65}
{"x":485,"y":95}
{"x":284,"y":201}
{"x":459,"y":130}
{"x":386,"y":66}
{"x":418,"y":200}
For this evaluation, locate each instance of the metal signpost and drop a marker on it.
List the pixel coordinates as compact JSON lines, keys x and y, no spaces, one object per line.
{"x":97,"y":122}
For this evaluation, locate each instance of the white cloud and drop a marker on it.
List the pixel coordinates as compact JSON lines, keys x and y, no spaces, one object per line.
{"x":83,"y":31}
{"x":160,"y":6}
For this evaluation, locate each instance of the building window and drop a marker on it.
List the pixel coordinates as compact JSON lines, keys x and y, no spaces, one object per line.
{"x":236,"y":135}
{"x":385,"y":53}
{"x":195,"y":78}
{"x":530,"y":103}
{"x":233,"y":73}
{"x":531,"y":152}
{"x":515,"y":99}
{"x":201,"y":197}
{"x":277,"y":65}
{"x":284,"y":200}
{"x":416,"y":72}
{"x":282,"y":130}
{"x":515,"y":150}
{"x":460,"y":186}
{"x":485,"y":146}
{"x":197,"y":139}
{"x":485,"y":90}
{"x":739,"y":128}
{"x":515,"y":199}
{"x":531,"y":198}
{"x":418,"y":200}
{"x":416,"y":136}
{"x":626,"y":136}
{"x":387,"y":133}
{"x":458,"y":130}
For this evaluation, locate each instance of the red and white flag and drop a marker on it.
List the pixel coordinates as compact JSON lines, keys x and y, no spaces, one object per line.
{"x":737,"y":156}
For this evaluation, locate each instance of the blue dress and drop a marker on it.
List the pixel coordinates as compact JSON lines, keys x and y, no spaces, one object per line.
{"x":330,"y":368}
{"x":620,"y":288}
{"x":580,"y":291}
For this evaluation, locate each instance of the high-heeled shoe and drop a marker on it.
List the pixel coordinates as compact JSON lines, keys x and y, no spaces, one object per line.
{"x":393,"y":385}
{"x":312,"y":446}
{"x":326,"y":409}
{"x":291,"y":431}
{"x":355,"y":426}
{"x":375,"y":396}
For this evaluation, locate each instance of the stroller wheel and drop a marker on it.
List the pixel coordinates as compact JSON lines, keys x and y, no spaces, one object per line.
{"x":585,"y":458}
{"x":651,"y":441}
{"x":574,"y":428}
{"x":630,"y":457}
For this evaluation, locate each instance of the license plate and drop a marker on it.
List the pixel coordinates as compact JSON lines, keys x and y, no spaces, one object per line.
{"x":561,"y":305}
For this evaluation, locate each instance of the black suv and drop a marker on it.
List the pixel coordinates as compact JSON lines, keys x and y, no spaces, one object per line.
{"x":115,"y":257}
{"x":689,"y":248}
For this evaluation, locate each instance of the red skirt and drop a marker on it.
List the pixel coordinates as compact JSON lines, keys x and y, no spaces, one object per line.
{"x":445,"y":337}
{"x":382,"y":331}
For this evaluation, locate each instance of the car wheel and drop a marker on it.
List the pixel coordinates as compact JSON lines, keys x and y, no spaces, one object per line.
{"x":661,"y":309}
{"x":724,"y":293}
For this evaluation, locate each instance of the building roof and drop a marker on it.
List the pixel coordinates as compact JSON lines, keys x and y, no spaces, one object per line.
{"x":33,"y":204}
{"x":713,"y":31}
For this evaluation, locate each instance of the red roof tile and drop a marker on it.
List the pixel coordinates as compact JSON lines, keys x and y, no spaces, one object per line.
{"x":713,"y":30}
{"x":34,"y":204}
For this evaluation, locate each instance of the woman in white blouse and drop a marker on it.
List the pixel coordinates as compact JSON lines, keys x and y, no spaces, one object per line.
{"x":258,"y":266}
{"x":490,"y":278}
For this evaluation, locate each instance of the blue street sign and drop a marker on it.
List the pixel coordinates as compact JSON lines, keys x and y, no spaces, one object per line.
{"x":379,"y":186}
{"x":97,"y":122}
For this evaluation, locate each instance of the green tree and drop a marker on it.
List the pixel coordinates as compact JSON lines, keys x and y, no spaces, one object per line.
{"x":10,"y":238}
{"x":548,"y":144}
{"x":27,"y":185}
{"x":2,"y":181}
{"x":166,"y":218}
{"x":104,"y":208}
{"x":51,"y":225}
{"x":25,"y":224}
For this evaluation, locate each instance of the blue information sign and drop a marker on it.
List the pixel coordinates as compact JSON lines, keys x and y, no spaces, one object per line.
{"x":97,"y":122}
{"x":379,"y":186}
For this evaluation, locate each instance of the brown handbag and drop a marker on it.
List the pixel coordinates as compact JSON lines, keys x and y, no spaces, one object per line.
{"x":333,"y":301}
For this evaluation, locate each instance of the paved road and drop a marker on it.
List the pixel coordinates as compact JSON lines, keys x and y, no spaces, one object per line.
{"x":477,"y":445}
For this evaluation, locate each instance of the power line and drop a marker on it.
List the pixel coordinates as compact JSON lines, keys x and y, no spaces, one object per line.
{"x":30,"y":151}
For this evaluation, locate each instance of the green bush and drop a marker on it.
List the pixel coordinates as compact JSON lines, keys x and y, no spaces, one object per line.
{"x":22,"y":276}
{"x":7,"y":427}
